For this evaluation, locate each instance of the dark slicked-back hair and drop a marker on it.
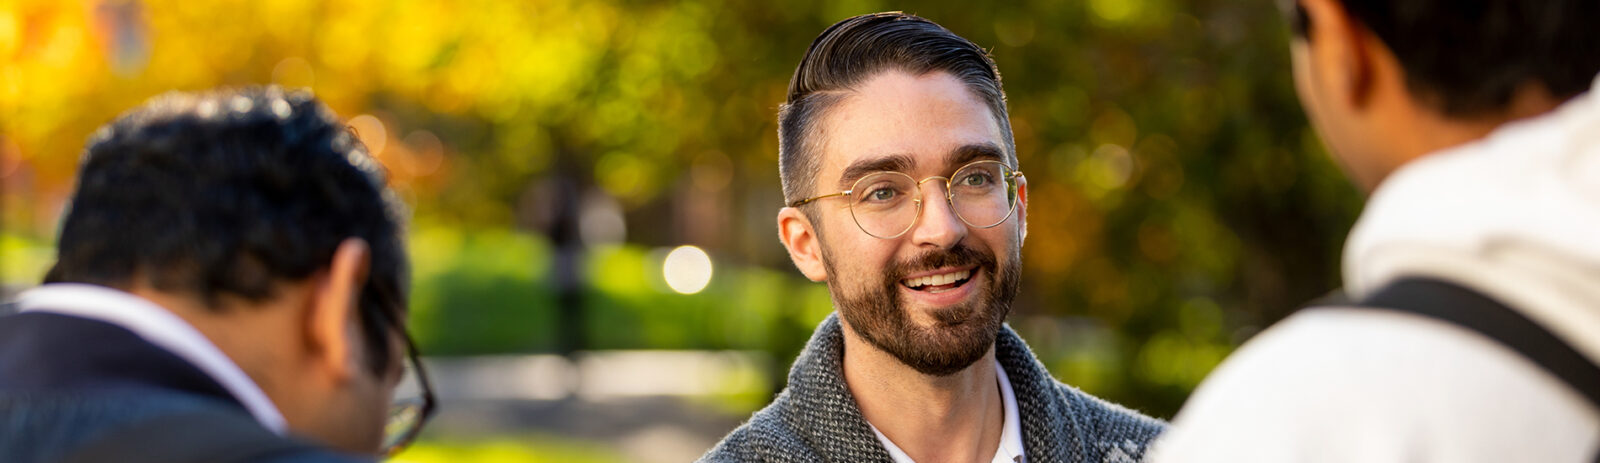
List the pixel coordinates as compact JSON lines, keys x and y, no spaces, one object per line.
{"x":1469,"y":57}
{"x":851,"y":51}
{"x":227,"y":193}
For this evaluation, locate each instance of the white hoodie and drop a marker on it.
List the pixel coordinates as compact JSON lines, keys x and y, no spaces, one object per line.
{"x":1515,"y":216}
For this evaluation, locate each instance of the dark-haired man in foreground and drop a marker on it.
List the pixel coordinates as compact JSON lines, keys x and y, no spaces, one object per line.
{"x":1474,"y":272}
{"x":903,"y":194}
{"x":229,"y":286}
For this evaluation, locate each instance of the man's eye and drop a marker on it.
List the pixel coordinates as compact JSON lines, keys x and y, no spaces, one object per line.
{"x":975,"y":180}
{"x":881,"y":194}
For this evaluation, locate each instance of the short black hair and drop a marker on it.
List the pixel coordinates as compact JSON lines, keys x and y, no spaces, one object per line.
{"x":230,"y":192}
{"x":857,"y":48}
{"x":1469,"y":57}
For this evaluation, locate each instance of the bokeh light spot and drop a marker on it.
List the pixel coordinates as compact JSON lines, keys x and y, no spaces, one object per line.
{"x":1115,"y":10}
{"x":294,"y":72}
{"x":687,"y":269}
{"x":371,"y":132}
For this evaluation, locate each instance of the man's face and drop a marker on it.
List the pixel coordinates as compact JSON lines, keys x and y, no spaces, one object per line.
{"x":1331,"y":124}
{"x":922,"y":126}
{"x":1326,"y":78}
{"x":353,"y":412}
{"x":370,"y":395}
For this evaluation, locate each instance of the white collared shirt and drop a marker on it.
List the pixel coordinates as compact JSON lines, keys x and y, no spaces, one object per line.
{"x":161,"y":328}
{"x":1010,"y":450}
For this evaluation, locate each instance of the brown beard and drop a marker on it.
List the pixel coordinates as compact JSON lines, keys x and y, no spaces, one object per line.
{"x":963,"y":333}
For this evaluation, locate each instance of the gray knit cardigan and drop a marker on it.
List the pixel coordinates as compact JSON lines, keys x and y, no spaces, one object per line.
{"x":815,"y":419}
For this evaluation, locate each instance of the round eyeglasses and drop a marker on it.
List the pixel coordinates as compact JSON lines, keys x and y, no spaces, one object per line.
{"x":413,"y":402}
{"x":411,"y":407}
{"x":887,"y":204}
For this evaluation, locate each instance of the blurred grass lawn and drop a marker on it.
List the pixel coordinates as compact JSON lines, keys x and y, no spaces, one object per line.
{"x":531,"y":449}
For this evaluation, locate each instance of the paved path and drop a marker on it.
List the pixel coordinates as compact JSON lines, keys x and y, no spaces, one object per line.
{"x":653,"y":406}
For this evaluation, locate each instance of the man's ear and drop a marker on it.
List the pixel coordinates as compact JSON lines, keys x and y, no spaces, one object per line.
{"x":1022,"y":209}
{"x":334,"y":312}
{"x":796,"y":232}
{"x":1341,"y":52}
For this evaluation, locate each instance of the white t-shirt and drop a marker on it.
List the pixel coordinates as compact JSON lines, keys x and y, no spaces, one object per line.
{"x":1010,"y":450}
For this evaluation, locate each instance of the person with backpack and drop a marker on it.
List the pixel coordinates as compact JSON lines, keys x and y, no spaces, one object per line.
{"x":1472,"y":330}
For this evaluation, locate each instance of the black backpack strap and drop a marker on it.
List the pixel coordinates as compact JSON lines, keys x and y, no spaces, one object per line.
{"x":1474,"y":311}
{"x":222,"y":436}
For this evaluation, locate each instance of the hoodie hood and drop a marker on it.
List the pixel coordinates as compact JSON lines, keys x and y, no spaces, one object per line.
{"x":1532,"y":182}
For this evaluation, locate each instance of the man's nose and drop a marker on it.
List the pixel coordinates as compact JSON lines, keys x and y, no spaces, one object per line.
{"x":938,"y":225}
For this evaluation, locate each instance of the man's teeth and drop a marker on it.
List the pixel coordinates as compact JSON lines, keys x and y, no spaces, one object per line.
{"x":940,"y":279}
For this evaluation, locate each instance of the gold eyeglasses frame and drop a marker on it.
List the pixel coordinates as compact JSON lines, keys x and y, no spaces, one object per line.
{"x":949,"y":197}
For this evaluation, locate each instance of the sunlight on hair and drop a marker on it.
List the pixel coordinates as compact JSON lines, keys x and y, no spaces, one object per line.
{"x":687,"y":269}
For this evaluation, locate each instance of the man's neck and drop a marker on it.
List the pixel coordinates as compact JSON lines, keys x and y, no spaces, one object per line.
{"x":951,"y":418}
{"x":238,"y":328}
{"x":1419,"y":130}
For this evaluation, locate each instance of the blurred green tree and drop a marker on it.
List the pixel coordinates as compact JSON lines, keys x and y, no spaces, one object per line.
{"x":1179,"y":200}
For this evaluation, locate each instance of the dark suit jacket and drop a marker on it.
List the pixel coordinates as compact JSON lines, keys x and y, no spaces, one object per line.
{"x":66,"y":381}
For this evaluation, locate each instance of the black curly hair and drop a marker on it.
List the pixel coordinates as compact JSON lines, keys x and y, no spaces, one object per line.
{"x":228,"y":192}
{"x":1468,"y":57}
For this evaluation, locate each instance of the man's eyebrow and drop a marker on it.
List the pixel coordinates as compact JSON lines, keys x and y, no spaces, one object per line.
{"x":974,"y":152}
{"x":865,"y":167}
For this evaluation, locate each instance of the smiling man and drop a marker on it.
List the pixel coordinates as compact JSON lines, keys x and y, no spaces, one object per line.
{"x":903,"y":195}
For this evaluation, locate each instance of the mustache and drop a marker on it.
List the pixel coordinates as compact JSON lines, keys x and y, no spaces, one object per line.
{"x":959,"y":255}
